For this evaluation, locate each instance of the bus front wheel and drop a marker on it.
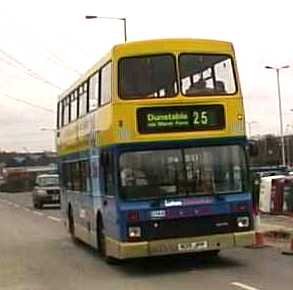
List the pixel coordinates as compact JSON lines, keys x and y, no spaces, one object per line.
{"x":102,"y":244}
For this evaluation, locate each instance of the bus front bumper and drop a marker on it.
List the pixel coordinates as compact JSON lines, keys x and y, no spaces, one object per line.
{"x":125,"y":250}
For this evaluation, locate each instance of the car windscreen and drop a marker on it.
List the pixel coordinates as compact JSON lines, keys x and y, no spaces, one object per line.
{"x":48,"y":181}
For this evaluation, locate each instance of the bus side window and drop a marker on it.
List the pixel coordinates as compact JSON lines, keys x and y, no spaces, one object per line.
{"x":94,"y":91}
{"x":106,"y":82}
{"x":107,"y":164}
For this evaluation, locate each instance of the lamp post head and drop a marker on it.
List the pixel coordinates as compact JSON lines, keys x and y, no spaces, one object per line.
{"x":106,"y":17}
{"x":277,"y":68}
{"x":91,"y":17}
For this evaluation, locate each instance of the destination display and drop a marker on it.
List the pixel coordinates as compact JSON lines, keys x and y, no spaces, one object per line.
{"x":180,"y":119}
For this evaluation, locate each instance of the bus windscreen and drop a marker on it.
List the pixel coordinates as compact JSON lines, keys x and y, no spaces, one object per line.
{"x":182,"y":172}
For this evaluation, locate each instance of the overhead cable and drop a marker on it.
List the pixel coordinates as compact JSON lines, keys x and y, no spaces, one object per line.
{"x":28,"y":103}
{"x":26,"y":69}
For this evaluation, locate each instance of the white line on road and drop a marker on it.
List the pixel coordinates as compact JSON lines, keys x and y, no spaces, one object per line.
{"x":26,"y":209}
{"x":37,"y":212}
{"x":54,"y":219}
{"x":243,"y":286}
{"x":16,"y":205}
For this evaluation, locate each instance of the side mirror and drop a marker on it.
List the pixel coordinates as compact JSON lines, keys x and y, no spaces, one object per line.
{"x":252,"y":148}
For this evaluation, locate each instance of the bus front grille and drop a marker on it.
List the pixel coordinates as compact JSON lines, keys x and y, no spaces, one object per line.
{"x":192,"y":227}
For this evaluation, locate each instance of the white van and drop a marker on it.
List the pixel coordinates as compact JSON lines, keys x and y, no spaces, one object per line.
{"x":265,"y":192}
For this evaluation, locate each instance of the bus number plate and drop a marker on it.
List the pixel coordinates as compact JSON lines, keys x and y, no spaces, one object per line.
{"x":192,"y":246}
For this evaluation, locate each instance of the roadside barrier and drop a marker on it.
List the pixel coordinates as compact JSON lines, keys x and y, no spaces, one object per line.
{"x":259,"y":241}
{"x":289,"y":250}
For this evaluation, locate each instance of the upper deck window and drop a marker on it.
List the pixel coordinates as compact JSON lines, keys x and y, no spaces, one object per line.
{"x":94,"y":91}
{"x":106,"y":82}
{"x":206,"y":74}
{"x":83,"y":99}
{"x":152,"y":76}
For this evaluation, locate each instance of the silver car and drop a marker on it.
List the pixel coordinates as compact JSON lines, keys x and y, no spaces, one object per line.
{"x":46,"y":190}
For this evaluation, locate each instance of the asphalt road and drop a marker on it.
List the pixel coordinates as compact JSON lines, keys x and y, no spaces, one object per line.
{"x":36,"y":253}
{"x":24,"y":199}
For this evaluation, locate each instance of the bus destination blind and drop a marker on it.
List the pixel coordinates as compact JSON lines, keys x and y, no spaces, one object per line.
{"x":180,"y":119}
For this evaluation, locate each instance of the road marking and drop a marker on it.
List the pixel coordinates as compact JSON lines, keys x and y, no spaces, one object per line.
{"x":16,"y":205}
{"x":37,"y":212}
{"x":54,"y":219}
{"x":26,"y":209}
{"x":243,"y":286}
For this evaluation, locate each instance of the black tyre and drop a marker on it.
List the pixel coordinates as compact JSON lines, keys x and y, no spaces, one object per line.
{"x":210,"y":254}
{"x":101,"y":237}
{"x":102,"y":244}
{"x":71,"y":224}
{"x":37,"y":204}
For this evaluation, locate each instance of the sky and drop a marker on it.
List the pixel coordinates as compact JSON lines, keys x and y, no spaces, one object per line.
{"x":46,"y":45}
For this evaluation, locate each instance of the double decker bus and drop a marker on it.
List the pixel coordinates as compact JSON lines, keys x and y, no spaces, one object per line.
{"x":152,"y":149}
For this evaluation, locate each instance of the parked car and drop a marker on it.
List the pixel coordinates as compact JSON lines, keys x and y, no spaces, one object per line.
{"x":46,"y":190}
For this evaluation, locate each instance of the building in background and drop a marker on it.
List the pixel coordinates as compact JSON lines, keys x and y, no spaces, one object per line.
{"x":19,"y":170}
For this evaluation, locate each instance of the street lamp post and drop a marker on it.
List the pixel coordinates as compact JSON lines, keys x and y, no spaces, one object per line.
{"x":250,"y":126}
{"x":288,"y":127}
{"x":115,"y":18}
{"x":277,"y":69}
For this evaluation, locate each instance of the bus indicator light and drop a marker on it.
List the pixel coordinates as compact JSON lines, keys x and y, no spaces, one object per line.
{"x":240,"y":117}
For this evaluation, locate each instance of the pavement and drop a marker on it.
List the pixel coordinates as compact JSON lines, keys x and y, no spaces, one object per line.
{"x":277,"y":230}
{"x":276,"y":222}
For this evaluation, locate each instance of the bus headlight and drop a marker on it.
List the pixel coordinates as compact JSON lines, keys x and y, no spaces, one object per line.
{"x":134,"y":232}
{"x":243,"y":222}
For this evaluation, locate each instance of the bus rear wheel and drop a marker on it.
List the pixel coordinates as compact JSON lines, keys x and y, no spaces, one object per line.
{"x":101,"y":238}
{"x":71,"y":224}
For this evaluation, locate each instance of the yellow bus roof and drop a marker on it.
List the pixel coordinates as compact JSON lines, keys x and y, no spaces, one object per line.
{"x":177,"y":44}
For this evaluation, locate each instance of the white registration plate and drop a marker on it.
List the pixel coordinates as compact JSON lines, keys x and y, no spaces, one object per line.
{"x":192,"y":246}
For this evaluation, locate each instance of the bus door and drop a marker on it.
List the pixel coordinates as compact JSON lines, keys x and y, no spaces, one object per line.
{"x":84,"y":199}
{"x":108,"y":198}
